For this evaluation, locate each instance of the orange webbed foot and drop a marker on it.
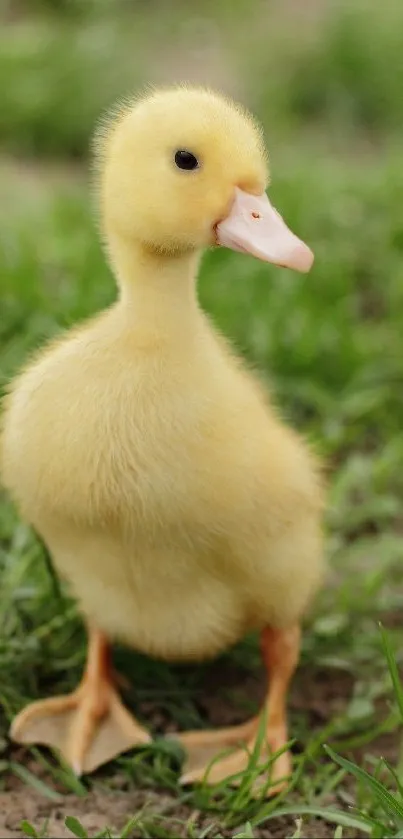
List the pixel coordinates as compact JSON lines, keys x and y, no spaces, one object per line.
{"x":90,"y":726}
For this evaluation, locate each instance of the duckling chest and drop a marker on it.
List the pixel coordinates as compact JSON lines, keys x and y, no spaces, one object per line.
{"x":161,"y":450}
{"x":160,"y":446}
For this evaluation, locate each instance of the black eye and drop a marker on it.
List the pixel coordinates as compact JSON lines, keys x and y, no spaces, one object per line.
{"x":186,"y":160}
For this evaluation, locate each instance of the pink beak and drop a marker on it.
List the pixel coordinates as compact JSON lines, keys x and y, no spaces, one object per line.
{"x":254,"y":226}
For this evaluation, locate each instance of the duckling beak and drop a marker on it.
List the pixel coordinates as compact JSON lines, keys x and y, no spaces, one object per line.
{"x":254,"y":226}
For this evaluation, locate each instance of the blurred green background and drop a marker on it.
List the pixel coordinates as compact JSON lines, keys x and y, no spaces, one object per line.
{"x":326,"y":80}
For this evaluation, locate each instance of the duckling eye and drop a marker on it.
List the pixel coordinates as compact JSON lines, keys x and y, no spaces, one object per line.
{"x":186,"y":160}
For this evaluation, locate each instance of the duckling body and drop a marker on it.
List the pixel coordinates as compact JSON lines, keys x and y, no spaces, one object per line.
{"x":164,"y":486}
{"x":172,"y":498}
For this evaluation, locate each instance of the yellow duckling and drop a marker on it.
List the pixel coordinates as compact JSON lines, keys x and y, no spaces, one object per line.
{"x":171,"y":497}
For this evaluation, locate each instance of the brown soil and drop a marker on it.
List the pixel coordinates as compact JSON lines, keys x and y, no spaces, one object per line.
{"x":316,"y":695}
{"x":113,"y":809}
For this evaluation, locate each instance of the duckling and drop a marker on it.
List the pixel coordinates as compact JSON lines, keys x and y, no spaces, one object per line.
{"x":173,"y":500}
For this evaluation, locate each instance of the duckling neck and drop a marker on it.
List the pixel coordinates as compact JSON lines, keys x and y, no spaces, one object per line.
{"x":157,"y":291}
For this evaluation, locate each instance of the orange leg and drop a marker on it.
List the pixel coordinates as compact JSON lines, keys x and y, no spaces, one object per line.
{"x":89,"y":726}
{"x":280,"y":650}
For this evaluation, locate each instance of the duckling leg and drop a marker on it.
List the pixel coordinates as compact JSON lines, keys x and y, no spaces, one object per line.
{"x":89,"y":726}
{"x":280,"y":651}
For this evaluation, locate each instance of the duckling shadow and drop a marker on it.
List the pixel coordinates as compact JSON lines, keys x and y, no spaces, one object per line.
{"x":229,"y":690}
{"x":177,"y":697}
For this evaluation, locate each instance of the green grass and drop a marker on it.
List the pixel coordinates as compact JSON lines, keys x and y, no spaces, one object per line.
{"x":335,"y":70}
{"x":58,"y":72}
{"x":330,"y":345}
{"x":351,"y":77}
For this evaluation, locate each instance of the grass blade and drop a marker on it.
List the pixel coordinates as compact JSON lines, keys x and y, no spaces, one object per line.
{"x":394,"y":673}
{"x":74,"y":826}
{"x":28,"y":778}
{"x":325,"y":813}
{"x":28,"y":830}
{"x":388,"y":802}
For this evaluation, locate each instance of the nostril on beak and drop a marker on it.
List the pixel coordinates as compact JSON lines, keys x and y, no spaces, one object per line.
{"x":255,"y":214}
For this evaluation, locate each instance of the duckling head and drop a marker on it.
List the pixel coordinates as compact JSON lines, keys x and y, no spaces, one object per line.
{"x":183,"y":169}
